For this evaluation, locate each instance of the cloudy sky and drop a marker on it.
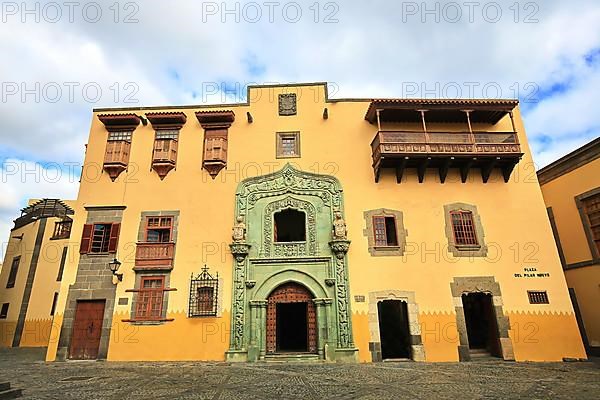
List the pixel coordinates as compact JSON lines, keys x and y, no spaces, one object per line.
{"x":59,"y":60}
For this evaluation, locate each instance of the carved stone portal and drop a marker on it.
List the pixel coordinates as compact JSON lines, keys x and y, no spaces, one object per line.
{"x":318,"y":263}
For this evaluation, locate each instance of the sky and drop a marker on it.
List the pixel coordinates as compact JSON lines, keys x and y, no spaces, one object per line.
{"x":59,"y":60}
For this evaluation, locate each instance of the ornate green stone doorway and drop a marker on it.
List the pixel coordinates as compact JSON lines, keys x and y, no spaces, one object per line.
{"x":310,"y":253}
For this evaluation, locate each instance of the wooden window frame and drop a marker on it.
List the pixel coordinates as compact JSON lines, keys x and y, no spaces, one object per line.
{"x":4,"y":310}
{"x":147,"y":227}
{"x":87,"y":238}
{"x":61,"y":231}
{"x":13,"y":272}
{"x":538,"y":297}
{"x":206,"y":304}
{"x":386,"y":236}
{"x":593,"y":243}
{"x":156,"y":297}
{"x":469,"y":230}
{"x":280,"y":136}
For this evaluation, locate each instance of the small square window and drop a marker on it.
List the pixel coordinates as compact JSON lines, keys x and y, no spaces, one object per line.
{"x":288,"y":144}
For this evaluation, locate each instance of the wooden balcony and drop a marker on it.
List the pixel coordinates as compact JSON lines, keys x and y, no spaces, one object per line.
{"x":116,"y":157}
{"x":445,"y":150}
{"x":164,"y":157}
{"x":154,"y":256}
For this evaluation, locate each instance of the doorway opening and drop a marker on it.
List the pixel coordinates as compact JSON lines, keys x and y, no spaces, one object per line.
{"x":482,"y":328}
{"x":290,"y":226}
{"x":292,"y":327}
{"x":291,"y":320}
{"x":87,"y":330}
{"x":394,"y":329}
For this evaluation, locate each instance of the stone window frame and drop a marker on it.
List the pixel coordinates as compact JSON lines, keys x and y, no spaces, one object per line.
{"x":579,"y":199}
{"x":401,"y":232}
{"x":480,"y":284}
{"x":481,"y":249}
{"x":279,"y":145}
{"x":417,"y":349}
{"x":166,"y":289}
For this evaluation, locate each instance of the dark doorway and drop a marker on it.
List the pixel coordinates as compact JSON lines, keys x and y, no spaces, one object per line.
{"x":292,"y":327}
{"x":290,"y":226}
{"x":87,"y":330}
{"x":393,"y":329}
{"x":480,"y":319}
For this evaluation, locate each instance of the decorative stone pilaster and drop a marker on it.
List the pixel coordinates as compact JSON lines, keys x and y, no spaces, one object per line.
{"x":240,"y":252}
{"x":257,"y":328}
{"x":323,"y":305}
{"x":340,"y":248}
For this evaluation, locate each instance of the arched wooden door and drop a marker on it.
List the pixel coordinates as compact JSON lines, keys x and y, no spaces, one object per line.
{"x":291,"y":320}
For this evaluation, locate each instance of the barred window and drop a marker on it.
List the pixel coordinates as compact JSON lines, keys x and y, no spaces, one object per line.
{"x":385,"y":231}
{"x":203,"y":294}
{"x":150,"y":298}
{"x":120,"y":136}
{"x":463,"y":228}
{"x":167,"y":134}
{"x":62,"y":229}
{"x":537,"y":297}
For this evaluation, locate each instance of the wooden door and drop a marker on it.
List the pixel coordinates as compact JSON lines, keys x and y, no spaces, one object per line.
{"x":291,"y":293}
{"x":87,"y":329}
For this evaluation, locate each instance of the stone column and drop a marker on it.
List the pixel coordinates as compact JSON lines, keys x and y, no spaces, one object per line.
{"x":322,"y":305}
{"x":263,"y":330}
{"x":256,"y":329}
{"x":237,"y":351}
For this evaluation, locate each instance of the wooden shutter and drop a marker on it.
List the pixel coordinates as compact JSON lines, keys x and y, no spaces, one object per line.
{"x":379,"y":231}
{"x":86,"y":239}
{"x":114,"y":238}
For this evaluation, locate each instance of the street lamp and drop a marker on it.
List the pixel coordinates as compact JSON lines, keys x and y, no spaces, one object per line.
{"x":114,"y":267}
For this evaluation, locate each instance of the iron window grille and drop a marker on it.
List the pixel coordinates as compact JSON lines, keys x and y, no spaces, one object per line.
{"x":538,"y":297}
{"x":204,"y":290}
{"x":463,"y":228}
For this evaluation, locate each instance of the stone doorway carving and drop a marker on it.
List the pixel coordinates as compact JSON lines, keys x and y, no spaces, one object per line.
{"x":291,"y":319}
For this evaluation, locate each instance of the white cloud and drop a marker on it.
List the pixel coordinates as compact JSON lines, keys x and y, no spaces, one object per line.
{"x":373,"y":50}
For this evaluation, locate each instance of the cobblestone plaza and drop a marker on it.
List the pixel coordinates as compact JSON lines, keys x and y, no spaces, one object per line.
{"x":393,"y":380}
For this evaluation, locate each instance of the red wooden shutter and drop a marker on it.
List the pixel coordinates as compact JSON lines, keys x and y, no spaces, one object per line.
{"x":114,"y":238}
{"x":86,"y":239}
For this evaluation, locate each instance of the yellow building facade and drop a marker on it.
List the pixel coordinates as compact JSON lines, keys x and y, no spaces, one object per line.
{"x":36,"y":253}
{"x":571,"y":190}
{"x":298,"y":226}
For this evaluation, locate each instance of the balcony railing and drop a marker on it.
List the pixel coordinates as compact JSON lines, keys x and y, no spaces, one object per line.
{"x":154,"y":255}
{"x":453,"y":143}
{"x":402,"y":149}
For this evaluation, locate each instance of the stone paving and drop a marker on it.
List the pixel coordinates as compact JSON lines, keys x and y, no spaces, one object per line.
{"x":196,"y":380}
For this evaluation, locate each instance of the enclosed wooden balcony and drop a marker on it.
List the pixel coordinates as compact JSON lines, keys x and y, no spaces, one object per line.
{"x":154,"y":256}
{"x":440,"y":143}
{"x":120,"y":128}
{"x":164,"y":157}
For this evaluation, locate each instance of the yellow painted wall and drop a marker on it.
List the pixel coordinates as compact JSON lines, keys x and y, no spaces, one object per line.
{"x":38,"y":321}
{"x":560,"y":194}
{"x":513,"y":214}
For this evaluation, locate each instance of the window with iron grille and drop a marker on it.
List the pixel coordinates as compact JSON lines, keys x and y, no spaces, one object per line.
{"x":124,"y":136}
{"x":204,"y":291}
{"x":288,"y":144}
{"x":12,"y":275}
{"x":384,"y":229}
{"x":4,"y":311}
{"x":537,"y":297}
{"x":591,"y":208}
{"x":62,"y":229}
{"x":159,"y":229}
{"x":150,"y":298}
{"x":463,"y":228}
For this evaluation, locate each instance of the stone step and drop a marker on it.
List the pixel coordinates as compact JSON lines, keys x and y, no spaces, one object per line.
{"x":10,"y":394}
{"x":291,"y":357}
